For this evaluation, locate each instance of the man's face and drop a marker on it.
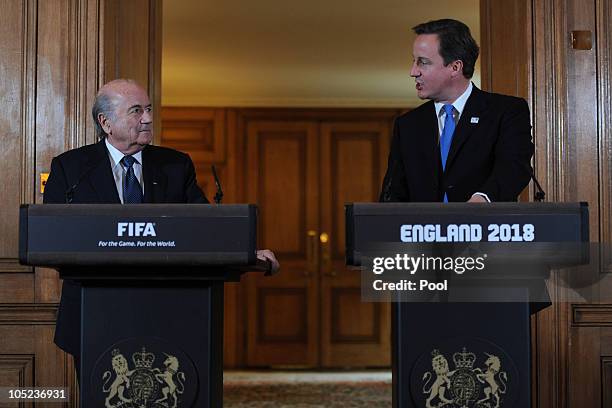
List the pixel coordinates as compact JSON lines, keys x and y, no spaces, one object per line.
{"x":130,"y":129}
{"x":433,"y":79}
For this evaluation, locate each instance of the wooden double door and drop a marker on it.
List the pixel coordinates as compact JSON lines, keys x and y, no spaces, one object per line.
{"x":301,"y":174}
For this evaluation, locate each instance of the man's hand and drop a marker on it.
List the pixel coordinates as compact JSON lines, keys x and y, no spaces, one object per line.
{"x":267,"y":255}
{"x":477,"y":198}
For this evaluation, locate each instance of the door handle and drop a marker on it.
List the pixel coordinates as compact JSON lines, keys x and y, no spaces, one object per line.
{"x":312,"y":253}
{"x":326,"y":261}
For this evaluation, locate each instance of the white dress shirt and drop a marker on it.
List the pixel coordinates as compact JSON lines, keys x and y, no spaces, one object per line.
{"x":115,"y":157}
{"x":459,"y":106}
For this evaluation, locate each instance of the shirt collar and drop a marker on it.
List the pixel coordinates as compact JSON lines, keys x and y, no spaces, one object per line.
{"x":459,"y":103}
{"x":116,"y":155}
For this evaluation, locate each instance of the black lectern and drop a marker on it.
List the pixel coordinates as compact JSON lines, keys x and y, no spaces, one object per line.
{"x":152,"y":293}
{"x":472,"y":353}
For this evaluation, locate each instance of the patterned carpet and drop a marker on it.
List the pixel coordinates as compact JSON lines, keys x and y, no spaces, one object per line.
{"x":242,"y":389}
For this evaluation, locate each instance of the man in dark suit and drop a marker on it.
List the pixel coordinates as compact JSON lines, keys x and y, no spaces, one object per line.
{"x":123,"y":167}
{"x":464,"y":144}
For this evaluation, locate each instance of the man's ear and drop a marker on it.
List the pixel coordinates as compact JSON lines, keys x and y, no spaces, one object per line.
{"x":457,"y":67}
{"x":104,"y":123}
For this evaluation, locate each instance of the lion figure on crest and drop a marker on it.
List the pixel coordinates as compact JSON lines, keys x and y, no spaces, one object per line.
{"x":122,"y":379}
{"x":439,"y":363}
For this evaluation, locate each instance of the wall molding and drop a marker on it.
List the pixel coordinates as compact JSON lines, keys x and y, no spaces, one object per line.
{"x":28,"y":314}
{"x":585,"y":315}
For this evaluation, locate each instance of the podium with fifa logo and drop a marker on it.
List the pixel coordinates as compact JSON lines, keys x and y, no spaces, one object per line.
{"x":151,"y":279}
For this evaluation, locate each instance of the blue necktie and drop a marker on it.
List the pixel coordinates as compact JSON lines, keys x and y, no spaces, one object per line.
{"x":447,"y":137}
{"x":132,"y":193}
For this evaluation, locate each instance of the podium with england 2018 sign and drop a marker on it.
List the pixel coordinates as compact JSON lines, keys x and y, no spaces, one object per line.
{"x":461,"y":337}
{"x":151,"y":280}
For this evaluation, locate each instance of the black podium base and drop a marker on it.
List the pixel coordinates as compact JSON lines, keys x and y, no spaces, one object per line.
{"x":152,"y":344}
{"x":461,"y":355}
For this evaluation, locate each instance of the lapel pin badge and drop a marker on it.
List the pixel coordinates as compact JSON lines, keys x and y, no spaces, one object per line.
{"x":474,"y":120}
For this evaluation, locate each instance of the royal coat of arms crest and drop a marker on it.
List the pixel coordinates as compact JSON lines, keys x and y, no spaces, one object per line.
{"x":466,"y":386}
{"x":143,"y":385}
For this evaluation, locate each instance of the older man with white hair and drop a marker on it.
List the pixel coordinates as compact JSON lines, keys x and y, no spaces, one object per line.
{"x":122,"y":168}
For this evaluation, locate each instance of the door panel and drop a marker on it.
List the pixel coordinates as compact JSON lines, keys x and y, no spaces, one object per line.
{"x":282,"y":175}
{"x":353,"y":160}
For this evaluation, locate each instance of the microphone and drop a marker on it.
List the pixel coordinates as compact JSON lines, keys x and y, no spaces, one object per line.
{"x":385,"y":195}
{"x":540,"y":194}
{"x":70,"y":192}
{"x":219,"y":193}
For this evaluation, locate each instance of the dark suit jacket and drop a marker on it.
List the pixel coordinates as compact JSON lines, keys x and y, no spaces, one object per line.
{"x":85,"y":174}
{"x":491,"y":156}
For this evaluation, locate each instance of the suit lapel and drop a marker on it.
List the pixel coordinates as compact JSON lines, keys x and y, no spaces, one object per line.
{"x":429,"y":135}
{"x":101,"y":176}
{"x":474,"y":108}
{"x":154,"y":179}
